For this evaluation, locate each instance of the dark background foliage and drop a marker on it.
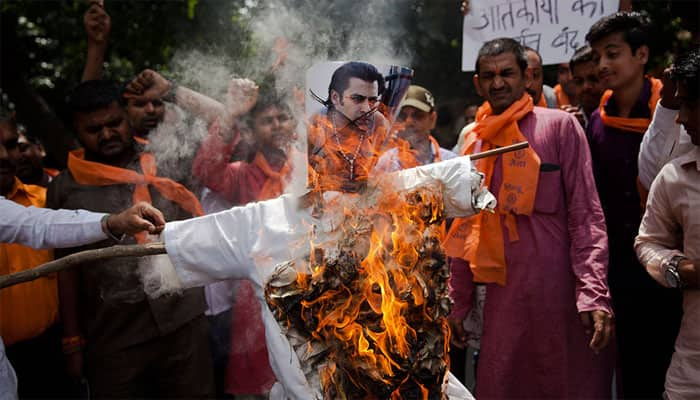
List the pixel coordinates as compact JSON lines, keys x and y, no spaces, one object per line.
{"x":42,"y":47}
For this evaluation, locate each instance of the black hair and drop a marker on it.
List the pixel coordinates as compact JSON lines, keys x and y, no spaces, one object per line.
{"x":582,"y":55}
{"x":94,"y":95}
{"x":503,"y":45}
{"x":634,"y":26}
{"x":685,"y":71}
{"x":354,"y":69}
{"x":537,"y":53}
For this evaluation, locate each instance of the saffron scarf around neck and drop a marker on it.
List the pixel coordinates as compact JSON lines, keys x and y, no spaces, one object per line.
{"x":97,"y":174}
{"x":408,"y":157}
{"x":479,"y":239}
{"x":638,"y":125}
{"x":276,"y":180}
{"x":562,"y":97}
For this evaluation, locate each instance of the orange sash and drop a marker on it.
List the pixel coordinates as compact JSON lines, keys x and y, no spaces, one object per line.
{"x":98,"y":174}
{"x":541,"y":103}
{"x":274,"y":185}
{"x":638,"y":125}
{"x":562,"y":98}
{"x":479,"y":239}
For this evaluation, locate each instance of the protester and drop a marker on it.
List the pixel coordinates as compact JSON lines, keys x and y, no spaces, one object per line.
{"x":668,"y":244}
{"x":127,"y":344}
{"x":30,"y":164}
{"x":564,"y":91}
{"x":548,"y":225}
{"x":665,"y":139}
{"x":620,"y":50}
{"x":470,"y":113}
{"x":416,"y":121}
{"x":29,"y":311}
{"x":242,"y":182}
{"x":587,"y":87}
{"x":543,"y":95}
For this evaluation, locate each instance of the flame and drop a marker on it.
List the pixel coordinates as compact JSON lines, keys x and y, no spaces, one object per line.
{"x":387,"y":287}
{"x":378,"y":305}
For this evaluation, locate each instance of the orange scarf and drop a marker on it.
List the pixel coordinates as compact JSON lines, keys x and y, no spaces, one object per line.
{"x":407,"y":156}
{"x":479,"y":239}
{"x":541,"y":103}
{"x":98,"y":174}
{"x":638,"y":125}
{"x":562,"y":98}
{"x":274,"y":185}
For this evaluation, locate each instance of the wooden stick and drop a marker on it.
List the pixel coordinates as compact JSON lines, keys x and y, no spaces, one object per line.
{"x":500,"y":150}
{"x":73,"y":260}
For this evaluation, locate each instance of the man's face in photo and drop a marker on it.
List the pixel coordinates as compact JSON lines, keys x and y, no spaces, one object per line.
{"x":356,"y":101}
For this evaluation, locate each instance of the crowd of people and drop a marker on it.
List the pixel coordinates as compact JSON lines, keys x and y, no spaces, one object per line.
{"x":582,"y":284}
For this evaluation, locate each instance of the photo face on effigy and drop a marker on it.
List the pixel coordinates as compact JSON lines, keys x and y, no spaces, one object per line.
{"x":356,"y":102}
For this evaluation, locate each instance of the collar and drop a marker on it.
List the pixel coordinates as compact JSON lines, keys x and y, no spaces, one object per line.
{"x":693,"y":156}
{"x":640,"y":108}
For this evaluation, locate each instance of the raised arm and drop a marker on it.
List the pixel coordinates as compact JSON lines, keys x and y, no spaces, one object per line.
{"x":97,"y":26}
{"x":151,"y":84}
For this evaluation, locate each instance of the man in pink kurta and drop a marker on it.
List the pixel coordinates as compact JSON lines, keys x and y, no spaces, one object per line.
{"x":241,"y":182}
{"x":548,"y":319}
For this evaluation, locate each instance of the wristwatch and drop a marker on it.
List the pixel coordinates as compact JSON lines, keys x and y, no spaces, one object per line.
{"x":671,"y":274}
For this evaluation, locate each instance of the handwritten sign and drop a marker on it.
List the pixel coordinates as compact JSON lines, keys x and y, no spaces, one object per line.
{"x":555,"y":28}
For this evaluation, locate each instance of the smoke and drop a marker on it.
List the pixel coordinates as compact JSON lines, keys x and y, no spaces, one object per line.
{"x":286,"y":38}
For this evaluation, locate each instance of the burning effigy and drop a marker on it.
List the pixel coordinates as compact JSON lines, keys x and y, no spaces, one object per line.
{"x":367,"y":313}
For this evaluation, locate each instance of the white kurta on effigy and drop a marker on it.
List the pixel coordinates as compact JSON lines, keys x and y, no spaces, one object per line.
{"x":249,"y":242}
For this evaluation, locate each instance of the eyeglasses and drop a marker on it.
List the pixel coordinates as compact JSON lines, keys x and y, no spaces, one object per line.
{"x":359,"y":99}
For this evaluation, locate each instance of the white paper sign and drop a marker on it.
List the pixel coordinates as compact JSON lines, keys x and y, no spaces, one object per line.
{"x":555,"y":28}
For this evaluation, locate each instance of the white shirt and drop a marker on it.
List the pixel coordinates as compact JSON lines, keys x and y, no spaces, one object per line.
{"x":219,"y":295}
{"x":42,"y":228}
{"x":663,"y":141}
{"x":671,"y":226}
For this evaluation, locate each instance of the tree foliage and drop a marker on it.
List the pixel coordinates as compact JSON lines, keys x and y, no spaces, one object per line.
{"x":44,"y":41}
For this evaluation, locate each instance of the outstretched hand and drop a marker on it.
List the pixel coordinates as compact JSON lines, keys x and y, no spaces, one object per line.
{"x":138,"y":218}
{"x":97,"y":23}
{"x":598,"y":324}
{"x":148,"y":84}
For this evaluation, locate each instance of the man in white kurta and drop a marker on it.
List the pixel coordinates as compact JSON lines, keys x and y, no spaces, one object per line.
{"x":225,"y":246}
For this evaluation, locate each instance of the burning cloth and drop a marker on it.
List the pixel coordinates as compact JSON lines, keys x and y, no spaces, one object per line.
{"x":386,"y":230}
